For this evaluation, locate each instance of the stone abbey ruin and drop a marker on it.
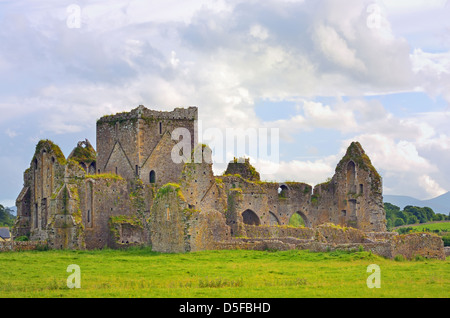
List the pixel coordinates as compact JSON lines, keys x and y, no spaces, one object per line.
{"x":129,"y":192}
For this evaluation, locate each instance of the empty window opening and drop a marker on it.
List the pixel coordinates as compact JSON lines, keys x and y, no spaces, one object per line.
{"x":250,"y":218}
{"x":152,"y":176}
{"x":160,"y":128}
{"x":351,"y":177}
{"x":89,"y":203}
{"x":35,"y":215}
{"x":283,"y":191}
{"x":361,"y":188}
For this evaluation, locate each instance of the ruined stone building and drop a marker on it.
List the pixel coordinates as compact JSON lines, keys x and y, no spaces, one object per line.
{"x":130,"y":192}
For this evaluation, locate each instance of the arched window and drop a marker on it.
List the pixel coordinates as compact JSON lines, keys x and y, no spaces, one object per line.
{"x":283,"y":191}
{"x":351,"y":177}
{"x":152,"y":176}
{"x":298,"y":219}
{"x":36,"y":213}
{"x":249,"y":217}
{"x":89,"y":203}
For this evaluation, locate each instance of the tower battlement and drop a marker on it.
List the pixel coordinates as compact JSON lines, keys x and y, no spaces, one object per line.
{"x":141,"y":112}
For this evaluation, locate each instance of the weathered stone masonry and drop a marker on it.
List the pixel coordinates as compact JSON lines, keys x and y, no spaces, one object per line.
{"x":130,"y":192}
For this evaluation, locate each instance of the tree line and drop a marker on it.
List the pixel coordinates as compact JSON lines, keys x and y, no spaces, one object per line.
{"x":410,"y":215}
{"x":7,"y":218}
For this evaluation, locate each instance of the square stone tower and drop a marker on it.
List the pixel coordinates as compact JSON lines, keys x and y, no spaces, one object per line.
{"x":139,"y":143}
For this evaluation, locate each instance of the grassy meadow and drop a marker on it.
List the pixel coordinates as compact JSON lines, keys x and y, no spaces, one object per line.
{"x":218,"y":274}
{"x":435,"y":226}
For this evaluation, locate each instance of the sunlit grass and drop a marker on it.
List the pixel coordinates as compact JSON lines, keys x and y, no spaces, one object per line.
{"x":291,"y":274}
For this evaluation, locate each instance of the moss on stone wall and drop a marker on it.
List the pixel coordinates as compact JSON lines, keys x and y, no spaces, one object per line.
{"x":115,"y":223}
{"x":170,"y":187}
{"x":356,"y":153}
{"x":104,"y":176}
{"x":84,"y":154}
{"x":242,"y":168}
{"x":50,"y":147}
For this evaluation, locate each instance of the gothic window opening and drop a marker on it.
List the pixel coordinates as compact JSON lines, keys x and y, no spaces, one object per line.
{"x":36,"y":215}
{"x":249,"y":217}
{"x":152,"y":176}
{"x":351,"y":177}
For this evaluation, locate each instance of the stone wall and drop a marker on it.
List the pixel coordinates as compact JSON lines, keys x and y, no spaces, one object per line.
{"x":103,"y":197}
{"x":278,"y":232}
{"x":168,"y":221}
{"x":329,"y":237}
{"x":127,"y":231}
{"x":22,"y":246}
{"x":418,"y":244}
{"x":43,"y":178}
{"x":177,"y":228}
{"x":353,"y":196}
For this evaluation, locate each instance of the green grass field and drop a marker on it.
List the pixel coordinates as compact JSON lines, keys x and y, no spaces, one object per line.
{"x":441,"y":226}
{"x":227,"y":274}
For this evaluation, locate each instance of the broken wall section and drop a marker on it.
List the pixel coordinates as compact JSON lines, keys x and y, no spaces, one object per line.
{"x":177,"y":228}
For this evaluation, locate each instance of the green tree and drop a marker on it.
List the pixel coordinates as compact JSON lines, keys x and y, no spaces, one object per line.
{"x":403,"y":215}
{"x":399,"y":222}
{"x":412,"y":219}
{"x":6,"y":217}
{"x":429,"y":213}
{"x":420,"y":213}
{"x":391,"y":210}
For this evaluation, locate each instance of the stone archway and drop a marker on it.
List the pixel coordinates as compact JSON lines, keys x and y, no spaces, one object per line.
{"x":251,"y":218}
{"x":299,"y":219}
{"x":273,"y":220}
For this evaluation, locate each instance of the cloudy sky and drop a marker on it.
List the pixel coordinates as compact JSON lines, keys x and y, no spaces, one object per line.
{"x":324,"y":72}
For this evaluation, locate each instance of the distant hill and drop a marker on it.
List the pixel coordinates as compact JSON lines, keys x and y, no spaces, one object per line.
{"x":440,"y":204}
